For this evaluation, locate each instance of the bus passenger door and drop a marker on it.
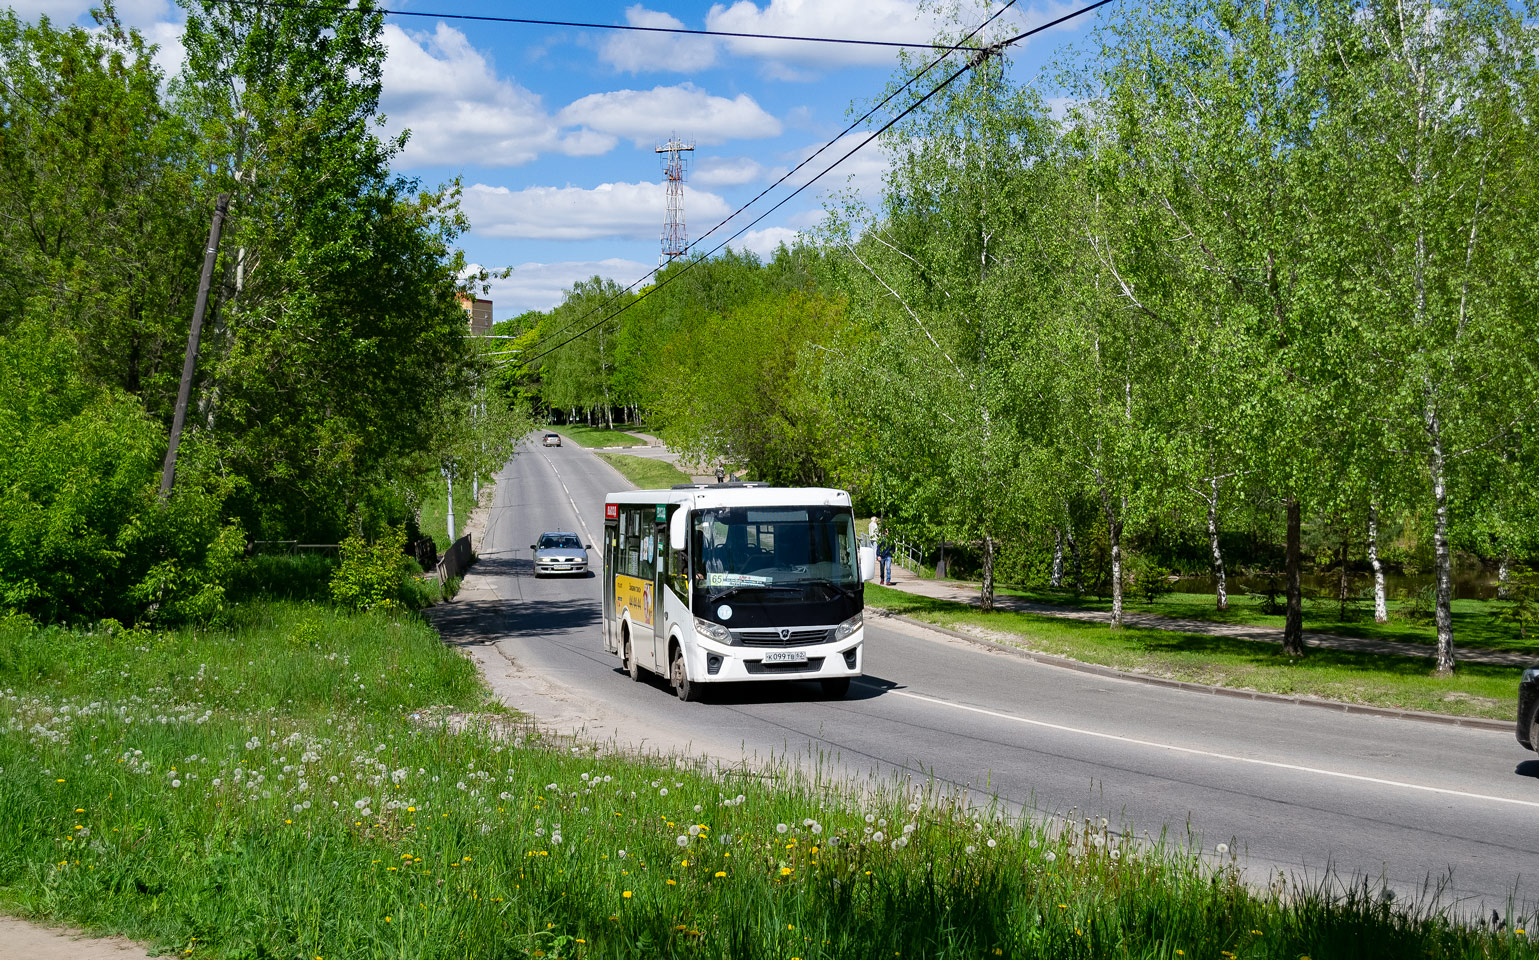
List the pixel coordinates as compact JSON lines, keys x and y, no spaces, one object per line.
{"x":659,"y":589}
{"x":607,"y":587}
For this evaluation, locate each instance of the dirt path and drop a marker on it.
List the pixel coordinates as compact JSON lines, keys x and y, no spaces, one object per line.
{"x":21,"y":940}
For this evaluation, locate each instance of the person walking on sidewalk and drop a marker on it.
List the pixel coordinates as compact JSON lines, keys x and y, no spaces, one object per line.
{"x":884,"y":561}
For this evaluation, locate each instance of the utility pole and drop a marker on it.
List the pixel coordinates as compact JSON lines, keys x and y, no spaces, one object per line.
{"x":675,"y":239}
{"x":190,"y":362}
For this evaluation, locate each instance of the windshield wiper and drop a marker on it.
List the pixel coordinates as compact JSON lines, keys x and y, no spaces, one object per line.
{"x":781,"y":587}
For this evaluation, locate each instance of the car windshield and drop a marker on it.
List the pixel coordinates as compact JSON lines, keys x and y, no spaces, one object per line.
{"x":553,"y":541}
{"x":769,"y":548}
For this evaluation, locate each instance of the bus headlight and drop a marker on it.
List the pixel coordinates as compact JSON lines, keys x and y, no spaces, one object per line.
{"x":847,"y":627}
{"x":712,"y":631}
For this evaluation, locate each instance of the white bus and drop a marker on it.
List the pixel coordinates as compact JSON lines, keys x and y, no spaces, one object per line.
{"x":732,"y":582}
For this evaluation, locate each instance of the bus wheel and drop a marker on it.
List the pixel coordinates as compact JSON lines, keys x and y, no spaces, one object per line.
{"x":687,"y":691}
{"x":834,"y":688}
{"x":631,"y":666}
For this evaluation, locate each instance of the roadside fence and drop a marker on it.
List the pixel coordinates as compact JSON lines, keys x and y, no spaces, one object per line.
{"x":455,"y":561}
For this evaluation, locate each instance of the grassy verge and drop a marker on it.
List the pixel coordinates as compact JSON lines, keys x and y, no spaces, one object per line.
{"x":644,"y":472}
{"x":285,"y":786}
{"x":433,"y":512}
{"x":1405,"y":683}
{"x":596,"y":436}
{"x":1474,"y":620}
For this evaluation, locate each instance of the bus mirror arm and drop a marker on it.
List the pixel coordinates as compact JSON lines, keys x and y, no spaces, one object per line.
{"x":678,"y":529}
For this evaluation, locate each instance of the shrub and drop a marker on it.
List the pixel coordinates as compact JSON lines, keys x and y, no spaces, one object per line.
{"x":372,"y":574}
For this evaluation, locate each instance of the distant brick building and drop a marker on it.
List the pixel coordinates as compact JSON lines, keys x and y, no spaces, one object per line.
{"x":479,"y":313}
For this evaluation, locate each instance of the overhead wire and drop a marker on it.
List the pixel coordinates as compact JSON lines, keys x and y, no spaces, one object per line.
{"x":983,"y":54}
{"x":538,"y":22}
{"x":857,"y":122}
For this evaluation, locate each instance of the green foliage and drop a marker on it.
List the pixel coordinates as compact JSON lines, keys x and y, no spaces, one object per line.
{"x":1521,"y":612}
{"x":372,"y":574}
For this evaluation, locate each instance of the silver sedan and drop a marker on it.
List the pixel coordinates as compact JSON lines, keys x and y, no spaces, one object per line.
{"x":560,"y":552}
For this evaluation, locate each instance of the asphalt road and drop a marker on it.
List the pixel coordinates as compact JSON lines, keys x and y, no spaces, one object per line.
{"x":1291,"y":788}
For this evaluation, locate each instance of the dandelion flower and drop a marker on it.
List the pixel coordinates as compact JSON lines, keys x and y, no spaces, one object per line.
{"x":1222,"y":849}
{"x":681,"y":840}
{"x":993,"y":842}
{"x":781,"y":828}
{"x":1050,"y":856}
{"x":626,"y":894}
{"x":723,"y":873}
{"x":785,"y":871}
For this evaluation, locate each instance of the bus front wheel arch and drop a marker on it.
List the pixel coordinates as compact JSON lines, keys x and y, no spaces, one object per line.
{"x":628,"y":652}
{"x":678,"y":674}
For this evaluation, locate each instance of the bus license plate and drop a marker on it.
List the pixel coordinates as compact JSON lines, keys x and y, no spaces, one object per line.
{"x":786,"y":656}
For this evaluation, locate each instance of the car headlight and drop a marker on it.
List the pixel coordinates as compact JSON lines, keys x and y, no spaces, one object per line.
{"x":1531,"y":674}
{"x":847,"y":627}
{"x":712,"y":631}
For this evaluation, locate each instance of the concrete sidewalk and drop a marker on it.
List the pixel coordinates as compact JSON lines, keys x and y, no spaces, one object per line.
{"x":960,"y":591}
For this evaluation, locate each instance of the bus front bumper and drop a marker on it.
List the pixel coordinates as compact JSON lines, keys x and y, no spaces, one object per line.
{"x":714,"y":662}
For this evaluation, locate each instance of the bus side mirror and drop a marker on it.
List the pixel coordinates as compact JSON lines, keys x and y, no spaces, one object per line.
{"x":678,"y":529}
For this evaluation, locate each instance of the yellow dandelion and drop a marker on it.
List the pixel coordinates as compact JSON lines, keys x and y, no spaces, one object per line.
{"x":626,"y":894}
{"x":720,"y":874}
{"x":785,"y":871}
{"x":673,"y":883}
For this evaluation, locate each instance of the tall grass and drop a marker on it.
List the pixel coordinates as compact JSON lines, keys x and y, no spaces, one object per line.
{"x":644,"y":472}
{"x":306,"y":783}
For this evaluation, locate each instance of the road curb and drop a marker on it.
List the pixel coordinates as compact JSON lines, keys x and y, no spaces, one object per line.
{"x":1048,"y":659}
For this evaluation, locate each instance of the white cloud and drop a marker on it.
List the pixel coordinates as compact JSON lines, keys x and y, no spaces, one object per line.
{"x":460,"y":111}
{"x":732,"y":171}
{"x":638,"y":51}
{"x":652,"y":116}
{"x":765,"y":242}
{"x":626,"y":210}
{"x":891,"y":20}
{"x":862,"y":172}
{"x":540,"y":286}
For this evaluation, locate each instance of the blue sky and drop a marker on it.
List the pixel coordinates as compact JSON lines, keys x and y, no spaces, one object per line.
{"x":553,"y":130}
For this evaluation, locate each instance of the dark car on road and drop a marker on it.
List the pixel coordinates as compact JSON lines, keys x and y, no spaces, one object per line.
{"x":560,"y":552}
{"x":1528,"y":709}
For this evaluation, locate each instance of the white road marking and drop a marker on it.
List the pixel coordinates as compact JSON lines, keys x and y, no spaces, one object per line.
{"x":587,"y":534}
{"x":1217,"y":756}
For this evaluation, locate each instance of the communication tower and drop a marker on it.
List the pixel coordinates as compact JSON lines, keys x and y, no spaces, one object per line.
{"x":675,"y":239}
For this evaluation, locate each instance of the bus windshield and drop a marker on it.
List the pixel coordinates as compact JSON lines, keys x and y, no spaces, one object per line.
{"x":774,"y":552}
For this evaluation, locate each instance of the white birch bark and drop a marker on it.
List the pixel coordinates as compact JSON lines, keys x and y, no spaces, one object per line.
{"x":1442,"y":558}
{"x":1220,"y":583}
{"x":1504,"y":577}
{"x":1057,"y":575}
{"x":1380,"y":608}
{"x":1114,"y":541}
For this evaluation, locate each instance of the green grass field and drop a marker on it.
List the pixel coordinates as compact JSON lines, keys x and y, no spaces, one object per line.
{"x":1405,"y":683}
{"x":1474,"y":620}
{"x":286,"y":785}
{"x":595,"y":436}
{"x":644,"y":472}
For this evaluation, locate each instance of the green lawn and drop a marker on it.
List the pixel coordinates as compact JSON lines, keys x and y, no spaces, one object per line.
{"x":644,"y":472}
{"x":433,"y":513}
{"x":1474,"y":622}
{"x":595,"y":436}
{"x":1384,"y":681}
{"x":287,"y":785}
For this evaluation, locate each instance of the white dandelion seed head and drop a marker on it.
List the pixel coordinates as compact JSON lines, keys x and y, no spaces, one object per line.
{"x":681,"y":840}
{"x":877,"y":837}
{"x":781,"y":828}
{"x":662,"y":792}
{"x":1050,"y":856}
{"x":970,"y":850}
{"x":816,"y":827}
{"x":1222,"y":849}
{"x":697,"y":808}
{"x":993,"y":843}
{"x":621,"y":854}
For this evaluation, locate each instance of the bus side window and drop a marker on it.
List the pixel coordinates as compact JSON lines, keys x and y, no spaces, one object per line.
{"x":678,"y":573}
{"x":631,"y":521}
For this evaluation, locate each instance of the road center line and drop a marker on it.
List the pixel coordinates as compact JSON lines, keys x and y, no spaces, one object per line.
{"x":1217,"y":756}
{"x":587,"y":534}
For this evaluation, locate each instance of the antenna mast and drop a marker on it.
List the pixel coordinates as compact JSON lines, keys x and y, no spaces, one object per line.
{"x":675,"y":239}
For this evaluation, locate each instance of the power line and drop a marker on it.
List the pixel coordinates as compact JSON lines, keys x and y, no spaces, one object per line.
{"x":786,"y":176}
{"x":533,"y":21}
{"x":983,"y":54}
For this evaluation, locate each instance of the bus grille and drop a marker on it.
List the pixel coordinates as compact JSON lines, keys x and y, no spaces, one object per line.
{"x":794,"y":638}
{"x":759,"y":668}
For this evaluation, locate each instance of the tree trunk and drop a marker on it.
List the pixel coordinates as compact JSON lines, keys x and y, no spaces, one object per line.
{"x":1114,"y":540}
{"x":1504,"y":576}
{"x":1380,"y":609}
{"x":1341,"y":587}
{"x":986,"y":601}
{"x":1442,"y":559}
{"x":1293,"y":623}
{"x":1221,"y":591}
{"x":1076,"y":564}
{"x":1057,"y":576}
